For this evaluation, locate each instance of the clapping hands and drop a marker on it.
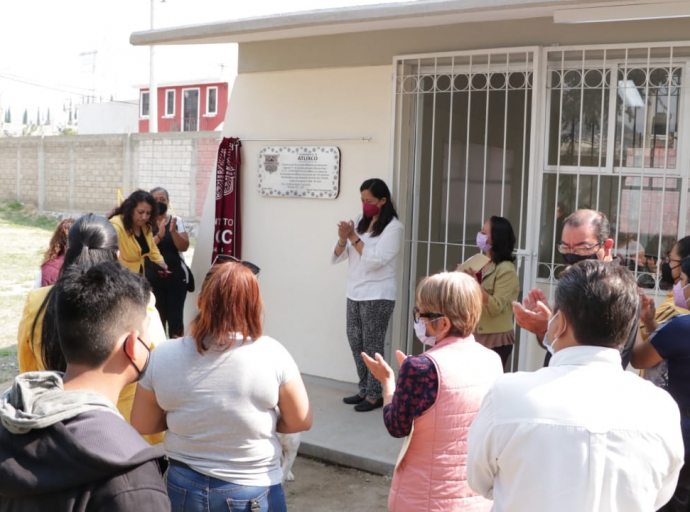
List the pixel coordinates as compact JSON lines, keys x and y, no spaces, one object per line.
{"x":534,"y":315}
{"x":345,"y":229}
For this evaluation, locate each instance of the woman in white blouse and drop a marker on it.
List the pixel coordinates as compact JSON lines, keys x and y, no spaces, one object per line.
{"x":371,"y":244}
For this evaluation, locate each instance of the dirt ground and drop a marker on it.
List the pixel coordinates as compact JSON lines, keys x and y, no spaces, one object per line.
{"x":318,"y":487}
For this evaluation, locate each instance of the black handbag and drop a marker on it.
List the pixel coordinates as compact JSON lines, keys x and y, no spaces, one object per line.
{"x":190,"y":277}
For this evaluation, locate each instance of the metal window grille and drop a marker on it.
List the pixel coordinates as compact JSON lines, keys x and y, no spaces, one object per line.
{"x":615,"y":133}
{"x":531,"y":134}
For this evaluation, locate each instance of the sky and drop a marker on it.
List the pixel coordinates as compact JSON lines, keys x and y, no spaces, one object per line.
{"x":56,"y":52}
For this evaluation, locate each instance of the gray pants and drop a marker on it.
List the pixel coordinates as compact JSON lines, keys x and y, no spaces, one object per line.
{"x":367,"y":322}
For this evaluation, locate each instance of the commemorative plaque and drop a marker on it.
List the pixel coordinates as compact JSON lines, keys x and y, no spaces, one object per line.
{"x":311,"y":172}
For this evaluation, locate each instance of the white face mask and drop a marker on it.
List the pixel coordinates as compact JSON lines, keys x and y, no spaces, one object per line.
{"x":547,"y":345}
{"x":420,"y":331}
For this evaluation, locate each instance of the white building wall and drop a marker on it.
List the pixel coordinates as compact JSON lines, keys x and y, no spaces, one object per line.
{"x":109,"y":117}
{"x":291,"y":239}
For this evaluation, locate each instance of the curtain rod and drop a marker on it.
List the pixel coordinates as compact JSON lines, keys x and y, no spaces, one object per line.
{"x":365,"y":139}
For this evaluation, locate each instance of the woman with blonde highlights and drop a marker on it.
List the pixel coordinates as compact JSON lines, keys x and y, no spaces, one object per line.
{"x":216,"y":392}
{"x":437,"y":396}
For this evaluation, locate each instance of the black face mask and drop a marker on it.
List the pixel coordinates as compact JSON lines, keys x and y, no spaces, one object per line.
{"x":571,"y":258}
{"x":140,"y":372}
{"x":667,"y":273}
{"x":162,"y":208}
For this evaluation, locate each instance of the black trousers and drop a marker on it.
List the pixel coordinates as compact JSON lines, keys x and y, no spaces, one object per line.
{"x":170,"y":296}
{"x":367,"y":322}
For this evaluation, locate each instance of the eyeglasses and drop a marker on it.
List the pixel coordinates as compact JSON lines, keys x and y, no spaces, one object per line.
{"x":581,"y":250}
{"x":226,"y":258}
{"x":418,"y":316}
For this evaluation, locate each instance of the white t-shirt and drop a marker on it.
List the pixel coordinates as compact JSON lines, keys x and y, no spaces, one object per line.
{"x":371,"y":276}
{"x":221,"y":406}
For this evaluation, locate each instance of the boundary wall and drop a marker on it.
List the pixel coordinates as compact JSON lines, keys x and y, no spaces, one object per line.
{"x":82,"y":173}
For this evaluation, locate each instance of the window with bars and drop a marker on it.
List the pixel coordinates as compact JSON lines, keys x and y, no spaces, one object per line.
{"x":614,"y":118}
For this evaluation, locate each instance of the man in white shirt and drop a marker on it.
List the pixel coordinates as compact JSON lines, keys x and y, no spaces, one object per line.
{"x":581,"y":434}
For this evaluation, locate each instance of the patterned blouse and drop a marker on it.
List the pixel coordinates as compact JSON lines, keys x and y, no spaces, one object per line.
{"x":415,"y":392}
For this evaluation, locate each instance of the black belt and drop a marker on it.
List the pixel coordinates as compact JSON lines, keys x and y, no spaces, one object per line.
{"x":179,"y":464}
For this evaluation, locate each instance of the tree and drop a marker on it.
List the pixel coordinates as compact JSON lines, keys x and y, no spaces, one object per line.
{"x":38,"y":116}
{"x":29,"y":130}
{"x":9,"y":115}
{"x":25,"y":119}
{"x":68,"y":131}
{"x":48,"y":118}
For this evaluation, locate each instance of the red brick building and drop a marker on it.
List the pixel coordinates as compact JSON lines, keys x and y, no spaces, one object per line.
{"x":192,"y":106}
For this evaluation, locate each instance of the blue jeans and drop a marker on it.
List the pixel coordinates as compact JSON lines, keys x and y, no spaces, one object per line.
{"x":190,"y":491}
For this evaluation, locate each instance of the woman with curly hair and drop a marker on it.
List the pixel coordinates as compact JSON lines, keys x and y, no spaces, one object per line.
{"x":134,"y":220}
{"x":55,"y":255}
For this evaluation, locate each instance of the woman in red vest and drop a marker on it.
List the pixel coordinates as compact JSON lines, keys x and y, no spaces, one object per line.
{"x":437,"y":396}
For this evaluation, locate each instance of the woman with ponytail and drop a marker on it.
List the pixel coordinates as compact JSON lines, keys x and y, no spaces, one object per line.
{"x":90,"y":240}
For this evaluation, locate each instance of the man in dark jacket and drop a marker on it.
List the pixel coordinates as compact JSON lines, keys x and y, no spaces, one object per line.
{"x":63,"y":444}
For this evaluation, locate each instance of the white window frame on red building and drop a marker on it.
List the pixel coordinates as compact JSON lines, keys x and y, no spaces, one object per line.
{"x":141,"y":105}
{"x":208,"y":96}
{"x":168,"y":103}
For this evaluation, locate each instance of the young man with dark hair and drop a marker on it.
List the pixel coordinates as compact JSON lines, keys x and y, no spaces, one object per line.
{"x":582,"y":433}
{"x":63,"y":444}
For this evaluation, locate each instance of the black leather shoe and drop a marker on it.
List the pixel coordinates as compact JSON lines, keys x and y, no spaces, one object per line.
{"x":366,"y":405}
{"x":354,"y":399}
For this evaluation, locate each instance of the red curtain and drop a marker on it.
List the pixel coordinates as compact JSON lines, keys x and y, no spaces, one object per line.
{"x":227,"y":236}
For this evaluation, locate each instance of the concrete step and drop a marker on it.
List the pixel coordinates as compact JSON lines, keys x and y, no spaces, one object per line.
{"x":344,"y":436}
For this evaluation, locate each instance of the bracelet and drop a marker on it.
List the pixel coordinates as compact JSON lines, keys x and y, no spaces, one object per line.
{"x":343,"y":244}
{"x":357,"y":241}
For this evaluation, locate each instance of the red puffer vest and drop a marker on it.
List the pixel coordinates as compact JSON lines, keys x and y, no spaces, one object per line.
{"x":432,"y":474}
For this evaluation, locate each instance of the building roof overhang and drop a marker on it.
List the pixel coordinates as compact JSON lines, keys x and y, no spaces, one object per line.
{"x":365,"y":18}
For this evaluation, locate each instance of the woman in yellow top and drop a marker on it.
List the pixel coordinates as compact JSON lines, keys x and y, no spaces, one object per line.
{"x":134,"y":220}
{"x":500,"y":287}
{"x":91,"y":239}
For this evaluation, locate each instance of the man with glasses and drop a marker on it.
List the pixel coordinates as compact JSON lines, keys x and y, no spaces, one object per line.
{"x":585,"y":237}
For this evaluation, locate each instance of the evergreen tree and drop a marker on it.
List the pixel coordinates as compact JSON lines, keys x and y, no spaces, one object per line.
{"x":38,"y":116}
{"x":8,"y":115}
{"x":48,"y":118}
{"x":25,"y":119}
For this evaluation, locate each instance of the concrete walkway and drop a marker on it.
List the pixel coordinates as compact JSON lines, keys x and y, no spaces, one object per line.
{"x":346,"y":437}
{"x":340,"y":434}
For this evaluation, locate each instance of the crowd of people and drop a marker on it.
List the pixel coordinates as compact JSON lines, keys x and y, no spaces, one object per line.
{"x":108,"y":370}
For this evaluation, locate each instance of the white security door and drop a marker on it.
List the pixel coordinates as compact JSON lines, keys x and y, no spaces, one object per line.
{"x":463,"y":148}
